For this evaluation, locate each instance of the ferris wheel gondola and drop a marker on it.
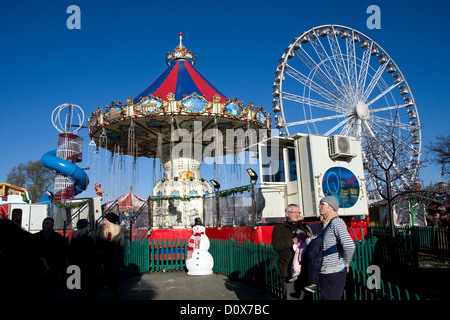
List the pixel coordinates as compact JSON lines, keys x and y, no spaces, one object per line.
{"x":334,"y":80}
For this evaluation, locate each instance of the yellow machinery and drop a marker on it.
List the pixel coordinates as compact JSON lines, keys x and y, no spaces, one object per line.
{"x":7,"y":189}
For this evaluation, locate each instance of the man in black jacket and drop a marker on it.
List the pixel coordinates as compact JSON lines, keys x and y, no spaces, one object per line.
{"x":284,"y":235}
{"x":51,"y":248}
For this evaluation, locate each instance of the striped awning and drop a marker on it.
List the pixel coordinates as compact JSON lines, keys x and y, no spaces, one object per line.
{"x":181,"y":79}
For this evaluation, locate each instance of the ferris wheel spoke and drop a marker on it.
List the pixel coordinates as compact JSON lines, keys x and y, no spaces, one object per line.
{"x":382,"y":132}
{"x":336,"y":127}
{"x":383,"y":93}
{"x":297,"y":75}
{"x":352,"y":66}
{"x":312,"y":102}
{"x":313,"y":66}
{"x":316,"y":120}
{"x":388,"y":123}
{"x":365,"y":64}
{"x":330,"y":67}
{"x":384,"y":156}
{"x":374,"y":81}
{"x":396,"y":107}
{"x":384,"y":142}
{"x":376,"y":147}
{"x":339,"y":58}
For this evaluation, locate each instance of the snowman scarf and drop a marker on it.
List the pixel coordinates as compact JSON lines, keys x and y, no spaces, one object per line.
{"x":194,"y":243}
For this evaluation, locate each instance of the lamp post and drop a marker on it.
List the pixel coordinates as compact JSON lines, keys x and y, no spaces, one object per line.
{"x":253,"y":178}
{"x":216,"y":186}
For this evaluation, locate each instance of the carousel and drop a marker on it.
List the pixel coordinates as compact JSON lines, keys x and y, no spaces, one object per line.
{"x":182,"y":120}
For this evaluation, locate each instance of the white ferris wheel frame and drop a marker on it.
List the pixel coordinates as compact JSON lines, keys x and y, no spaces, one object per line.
{"x":343,"y":84}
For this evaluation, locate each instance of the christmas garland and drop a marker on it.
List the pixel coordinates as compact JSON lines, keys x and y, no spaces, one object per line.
{"x":181,"y":198}
{"x":70,"y":205}
{"x":231,"y":191}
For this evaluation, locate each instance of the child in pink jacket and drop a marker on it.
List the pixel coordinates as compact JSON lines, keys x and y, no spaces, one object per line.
{"x":299,"y":249}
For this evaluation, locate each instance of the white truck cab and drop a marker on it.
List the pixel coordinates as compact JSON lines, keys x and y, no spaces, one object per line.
{"x":28,"y":215}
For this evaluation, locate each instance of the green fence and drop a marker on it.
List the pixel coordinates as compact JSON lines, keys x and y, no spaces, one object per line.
{"x":157,"y":255}
{"x":252,"y":263}
{"x":256,"y":264}
{"x":168,"y":254}
{"x":357,"y":289}
{"x":136,"y":256}
{"x":386,"y":252}
{"x":429,"y":240}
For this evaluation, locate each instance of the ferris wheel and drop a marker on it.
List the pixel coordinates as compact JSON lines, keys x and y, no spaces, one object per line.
{"x":334,"y":80}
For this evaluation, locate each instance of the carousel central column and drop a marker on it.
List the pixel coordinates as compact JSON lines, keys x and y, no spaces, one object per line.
{"x":181,"y":179}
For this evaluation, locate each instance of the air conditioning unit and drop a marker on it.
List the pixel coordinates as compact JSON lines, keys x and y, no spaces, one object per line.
{"x":340,"y":148}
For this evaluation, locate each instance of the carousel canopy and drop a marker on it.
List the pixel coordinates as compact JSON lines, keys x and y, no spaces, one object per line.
{"x":181,"y":78}
{"x":180,"y":98}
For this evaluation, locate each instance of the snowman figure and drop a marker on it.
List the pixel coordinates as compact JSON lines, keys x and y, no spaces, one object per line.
{"x":199,"y":261}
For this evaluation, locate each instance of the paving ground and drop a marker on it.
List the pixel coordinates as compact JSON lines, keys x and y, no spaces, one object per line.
{"x":178,"y":286}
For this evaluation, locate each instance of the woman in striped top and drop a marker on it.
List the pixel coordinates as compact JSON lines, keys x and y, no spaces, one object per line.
{"x":337,"y":248}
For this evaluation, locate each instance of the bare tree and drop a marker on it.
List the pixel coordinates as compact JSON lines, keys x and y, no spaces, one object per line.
{"x":387,"y":158}
{"x":385,"y":162}
{"x":440,"y":152}
{"x":33,"y":176}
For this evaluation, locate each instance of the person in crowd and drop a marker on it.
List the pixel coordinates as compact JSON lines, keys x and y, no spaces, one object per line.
{"x":435,"y":220}
{"x":299,"y":250}
{"x":51,"y":248}
{"x":82,"y":253}
{"x":174,"y":211}
{"x":313,"y":256}
{"x":111,"y":244}
{"x":19,"y":275}
{"x":337,"y":249}
{"x":284,"y":236}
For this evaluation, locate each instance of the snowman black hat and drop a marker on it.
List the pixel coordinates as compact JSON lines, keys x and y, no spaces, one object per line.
{"x":198,"y":222}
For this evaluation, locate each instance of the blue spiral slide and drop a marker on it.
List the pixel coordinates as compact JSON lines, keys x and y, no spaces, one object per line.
{"x":67,"y":168}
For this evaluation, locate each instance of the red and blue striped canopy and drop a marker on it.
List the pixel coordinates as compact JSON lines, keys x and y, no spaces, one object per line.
{"x":181,"y":78}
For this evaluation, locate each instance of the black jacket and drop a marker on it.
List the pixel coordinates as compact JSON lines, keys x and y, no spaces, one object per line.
{"x":282,"y":235}
{"x":314,"y":250}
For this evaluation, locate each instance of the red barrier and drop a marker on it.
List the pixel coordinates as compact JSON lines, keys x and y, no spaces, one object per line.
{"x":171,"y":233}
{"x":356,"y":228}
{"x":258,"y":234}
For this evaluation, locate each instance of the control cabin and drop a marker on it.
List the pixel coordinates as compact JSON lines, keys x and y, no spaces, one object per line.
{"x":303,"y":168}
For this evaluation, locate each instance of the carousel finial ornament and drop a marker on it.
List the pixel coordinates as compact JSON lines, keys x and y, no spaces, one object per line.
{"x":181,"y":38}
{"x":179,"y":53}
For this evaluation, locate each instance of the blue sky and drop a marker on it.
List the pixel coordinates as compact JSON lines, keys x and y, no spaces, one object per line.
{"x":121,"y":46}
